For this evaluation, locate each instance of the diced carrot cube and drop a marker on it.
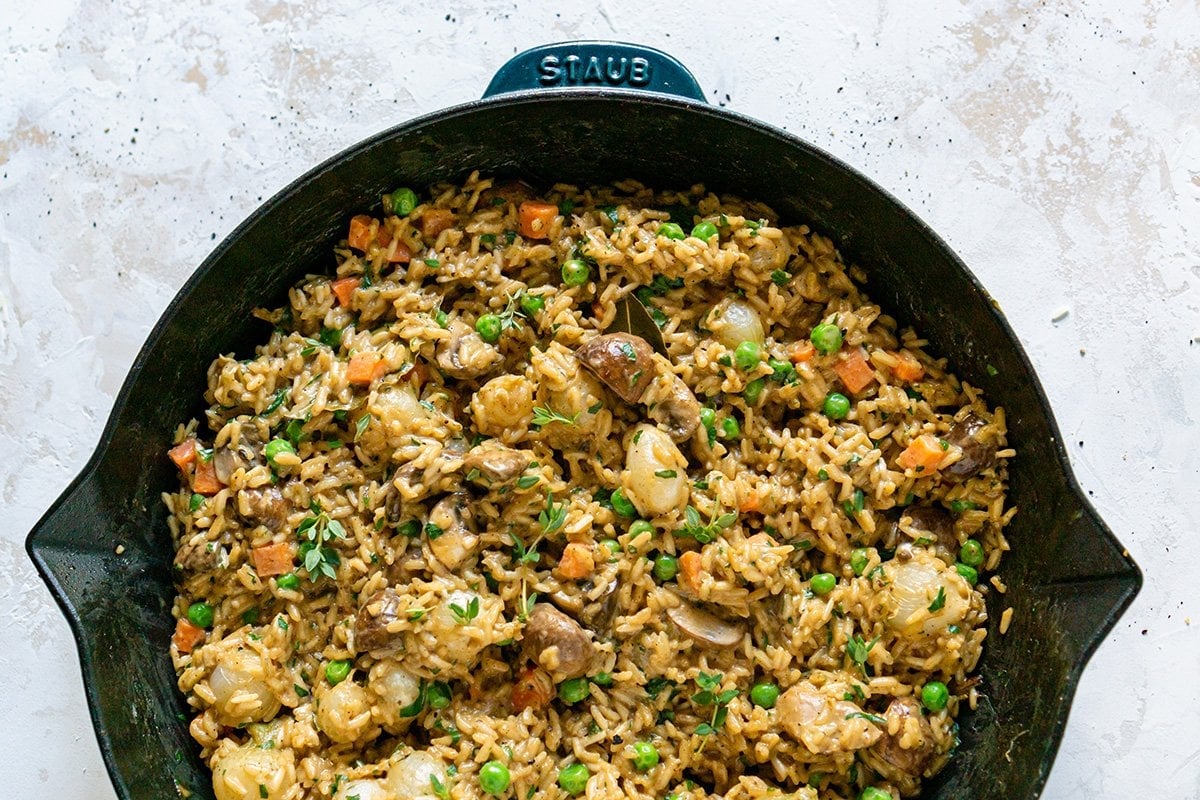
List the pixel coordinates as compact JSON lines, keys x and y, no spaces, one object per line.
{"x":536,"y":219}
{"x":366,"y":367}
{"x":855,"y":372}
{"x":435,"y":220}
{"x":398,"y":252}
{"x":691,"y":570}
{"x":577,"y":561}
{"x":362,"y":231}
{"x":272,"y":559}
{"x":801,"y":352}
{"x":907,"y":367}
{"x":749,"y":503}
{"x":187,"y":636}
{"x":344,"y":289}
{"x":532,"y":689}
{"x":205,"y":481}
{"x":183,"y":453}
{"x":923,"y":455}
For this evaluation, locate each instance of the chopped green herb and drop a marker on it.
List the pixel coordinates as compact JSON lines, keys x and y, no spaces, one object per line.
{"x":464,"y":615}
{"x":939,"y":602}
{"x":544,"y":415}
{"x":665,"y":473}
{"x":553,"y":516}
{"x":196,"y":501}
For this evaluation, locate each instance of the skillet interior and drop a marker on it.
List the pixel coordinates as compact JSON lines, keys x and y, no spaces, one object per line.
{"x":1068,"y":577}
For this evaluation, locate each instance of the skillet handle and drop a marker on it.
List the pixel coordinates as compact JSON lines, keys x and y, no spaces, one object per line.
{"x":595,"y":64}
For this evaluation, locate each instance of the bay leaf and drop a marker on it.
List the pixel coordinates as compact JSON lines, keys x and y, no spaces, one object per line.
{"x":632,"y":317}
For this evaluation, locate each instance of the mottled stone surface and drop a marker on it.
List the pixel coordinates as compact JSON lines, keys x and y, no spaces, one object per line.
{"x":1055,"y":145}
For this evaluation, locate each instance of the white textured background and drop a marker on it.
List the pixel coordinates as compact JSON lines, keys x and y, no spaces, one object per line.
{"x":1056,"y":146}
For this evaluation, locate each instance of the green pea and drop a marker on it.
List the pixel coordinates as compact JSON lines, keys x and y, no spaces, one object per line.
{"x":613,"y":547}
{"x":708,"y":417}
{"x":822,"y":583}
{"x":747,"y":355}
{"x":494,"y":778}
{"x":489,"y":327}
{"x":288,"y":581}
{"x":575,"y":272}
{"x":337,"y":671}
{"x":872,"y":793}
{"x":764,"y":694}
{"x":934,"y":695}
{"x":836,"y":406}
{"x":784,"y":370}
{"x":438,"y":695}
{"x":671,"y":231}
{"x":859,"y":558}
{"x":621,"y":504}
{"x":532,"y":304}
{"x":704,"y":231}
{"x":666,"y":567}
{"x":645,"y":756}
{"x":730,"y":428}
{"x":275,"y":447}
{"x":603,"y":679}
{"x":753,"y":391}
{"x":573,"y":690}
{"x":200,"y":614}
{"x":573,"y":778}
{"x":968,"y":572}
{"x":826,"y":337}
{"x":404,"y":200}
{"x":640,"y":526}
{"x":971,"y":553}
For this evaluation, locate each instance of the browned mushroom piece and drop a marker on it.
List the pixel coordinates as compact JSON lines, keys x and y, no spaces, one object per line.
{"x":977,"y":455}
{"x":557,"y":642}
{"x":705,"y":628}
{"x":678,"y":412}
{"x":505,"y":192}
{"x":375,"y":614}
{"x":465,"y":354}
{"x":622,"y":361}
{"x":938,"y":530}
{"x":199,"y":555}
{"x":493,"y":465}
{"x":263,"y":506}
{"x":911,"y":747}
{"x":228,"y":460}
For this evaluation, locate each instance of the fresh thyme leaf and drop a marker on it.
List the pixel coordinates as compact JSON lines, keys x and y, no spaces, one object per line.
{"x":553,"y":516}
{"x":527,"y":481}
{"x":858,"y":650}
{"x":360,"y":427}
{"x":544,"y":415}
{"x":440,"y":789}
{"x":665,"y":473}
{"x":464,"y":615}
{"x":939,"y":602}
{"x":695,"y":527}
{"x":275,"y":403}
{"x":878,"y":720}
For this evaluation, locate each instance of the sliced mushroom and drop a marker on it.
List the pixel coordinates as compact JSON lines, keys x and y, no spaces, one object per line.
{"x":678,"y":411}
{"x":705,"y":628}
{"x":505,"y":192}
{"x":934,"y":523}
{"x":455,"y":544}
{"x":911,"y":747}
{"x":228,"y":460}
{"x":622,"y":361}
{"x":465,"y":354}
{"x":977,"y":455}
{"x":375,"y":615}
{"x":199,"y":554}
{"x":263,"y":506}
{"x":492,"y":465}
{"x":557,"y":642}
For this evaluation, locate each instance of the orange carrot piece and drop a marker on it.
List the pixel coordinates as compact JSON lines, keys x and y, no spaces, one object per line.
{"x":344,"y":289}
{"x":855,"y":372}
{"x":187,"y":636}
{"x":435,"y":220}
{"x":360,"y":232}
{"x":533,"y":689}
{"x":365,"y":367}
{"x":750,"y":503}
{"x":923,"y":455}
{"x":398,"y":252}
{"x":576,"y":562}
{"x":801,"y":352}
{"x":907,"y":367}
{"x":536,"y":219}
{"x":690,"y":569}
{"x":272,"y":559}
{"x":205,"y":481}
{"x":183,"y":453}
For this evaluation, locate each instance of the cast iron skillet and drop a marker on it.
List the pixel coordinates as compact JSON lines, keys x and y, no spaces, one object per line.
{"x":587,"y":113}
